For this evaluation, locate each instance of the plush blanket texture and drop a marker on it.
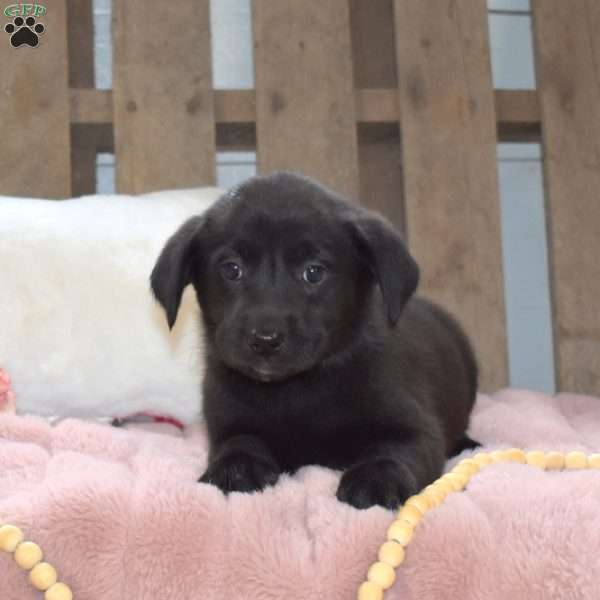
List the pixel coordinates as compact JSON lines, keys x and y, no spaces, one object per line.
{"x":121,"y":516}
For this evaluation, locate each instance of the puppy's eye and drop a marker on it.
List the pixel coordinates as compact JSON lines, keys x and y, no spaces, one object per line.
{"x":231,"y":271}
{"x":313,"y":274}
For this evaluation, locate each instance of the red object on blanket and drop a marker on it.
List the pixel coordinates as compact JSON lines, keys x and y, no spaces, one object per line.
{"x":147,"y":417}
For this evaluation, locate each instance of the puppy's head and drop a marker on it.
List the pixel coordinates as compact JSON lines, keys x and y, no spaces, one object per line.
{"x":284,"y":271}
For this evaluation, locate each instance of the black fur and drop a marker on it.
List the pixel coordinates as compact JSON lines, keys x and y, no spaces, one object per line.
{"x":352,"y":372}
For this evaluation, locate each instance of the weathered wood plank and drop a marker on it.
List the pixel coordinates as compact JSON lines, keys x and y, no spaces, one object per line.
{"x":305,"y":115}
{"x":449,"y":155}
{"x":381,"y":177}
{"x":162,"y":92}
{"x":80,"y":24}
{"x":517,"y":109}
{"x":374,"y":59}
{"x":91,"y":106}
{"x":237,"y":106}
{"x":34,"y":112}
{"x":373,"y":44}
{"x":518,"y":116}
{"x":568,"y":73}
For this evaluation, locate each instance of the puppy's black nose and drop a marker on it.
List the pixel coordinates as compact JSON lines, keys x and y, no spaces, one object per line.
{"x":265,"y":342}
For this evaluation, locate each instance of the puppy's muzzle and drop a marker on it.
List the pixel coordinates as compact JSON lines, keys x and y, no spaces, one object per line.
{"x":265,"y":343}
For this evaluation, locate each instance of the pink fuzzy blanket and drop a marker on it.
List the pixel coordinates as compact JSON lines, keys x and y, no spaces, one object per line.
{"x":119,"y":513}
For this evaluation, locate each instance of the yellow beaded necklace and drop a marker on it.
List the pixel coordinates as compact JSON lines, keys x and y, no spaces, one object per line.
{"x":29,"y":556}
{"x":381,"y":575}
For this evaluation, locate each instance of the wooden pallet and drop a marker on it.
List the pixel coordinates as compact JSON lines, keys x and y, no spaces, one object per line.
{"x":390,"y":102}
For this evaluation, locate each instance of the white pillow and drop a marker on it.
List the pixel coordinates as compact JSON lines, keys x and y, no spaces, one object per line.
{"x":80,"y":332}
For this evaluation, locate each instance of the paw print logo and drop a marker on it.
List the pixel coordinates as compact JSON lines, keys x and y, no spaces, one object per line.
{"x":24,"y":32}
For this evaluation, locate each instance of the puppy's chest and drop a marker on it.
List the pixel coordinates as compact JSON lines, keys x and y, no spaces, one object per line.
{"x":331,"y":434}
{"x":296,"y":444}
{"x":329,"y":423}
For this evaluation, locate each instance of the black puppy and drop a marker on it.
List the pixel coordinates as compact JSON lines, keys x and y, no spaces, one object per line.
{"x":317,"y":353}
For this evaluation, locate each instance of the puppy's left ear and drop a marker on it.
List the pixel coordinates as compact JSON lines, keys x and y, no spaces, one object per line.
{"x":388,"y":259}
{"x":171,"y":273}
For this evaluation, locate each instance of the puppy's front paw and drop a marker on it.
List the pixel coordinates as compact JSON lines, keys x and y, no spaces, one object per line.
{"x":240,"y":472}
{"x":383,"y":481}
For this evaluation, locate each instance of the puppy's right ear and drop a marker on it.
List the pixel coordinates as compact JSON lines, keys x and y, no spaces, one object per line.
{"x":171,"y":273}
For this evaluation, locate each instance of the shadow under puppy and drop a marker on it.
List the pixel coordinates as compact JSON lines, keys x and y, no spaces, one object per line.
{"x":317,"y":350}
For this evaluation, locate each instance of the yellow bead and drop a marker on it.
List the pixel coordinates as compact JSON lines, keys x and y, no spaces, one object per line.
{"x":516,"y":455}
{"x":483,"y":459}
{"x":411,"y":514}
{"x":536,"y":458}
{"x":463,"y":470}
{"x":434,"y":495}
{"x":457,"y":481}
{"x":42,"y":576}
{"x":576,"y":460}
{"x":471,"y":464}
{"x":436,"y":490}
{"x":382,"y":574}
{"x":391,"y":553}
{"x":555,"y":461}
{"x":443,"y":486}
{"x":594,"y":461}
{"x":370,"y":591}
{"x":59,"y":591}
{"x":419,"y":502}
{"x":27,"y":555}
{"x":500,"y":456}
{"x":10,"y":537}
{"x":451,"y":481}
{"x":401,"y":531}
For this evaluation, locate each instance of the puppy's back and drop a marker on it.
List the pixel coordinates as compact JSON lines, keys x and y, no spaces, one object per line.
{"x":437,"y":365}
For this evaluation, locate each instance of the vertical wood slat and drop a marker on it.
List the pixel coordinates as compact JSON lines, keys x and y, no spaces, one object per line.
{"x":374,"y":59}
{"x":34,"y":111}
{"x":80,"y":30}
{"x":305,"y":113}
{"x":568,"y":77}
{"x":80,"y":27}
{"x":450,"y":172}
{"x":162,"y":90}
{"x":381,"y":176}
